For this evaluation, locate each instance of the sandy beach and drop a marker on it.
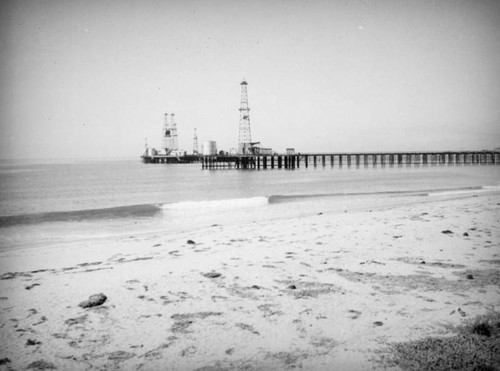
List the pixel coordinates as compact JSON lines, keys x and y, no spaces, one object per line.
{"x":326,"y":291}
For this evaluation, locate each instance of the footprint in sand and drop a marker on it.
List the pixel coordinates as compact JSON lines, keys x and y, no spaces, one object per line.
{"x":132,"y":284}
{"x":354,"y":314}
{"x":144,"y":297}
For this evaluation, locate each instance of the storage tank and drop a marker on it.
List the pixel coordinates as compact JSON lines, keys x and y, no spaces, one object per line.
{"x":151,"y":152}
{"x":209,"y":148}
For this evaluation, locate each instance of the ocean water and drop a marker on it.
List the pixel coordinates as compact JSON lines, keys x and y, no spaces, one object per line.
{"x":55,"y":202}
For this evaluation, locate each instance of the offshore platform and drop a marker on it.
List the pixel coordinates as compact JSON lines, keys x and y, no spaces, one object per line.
{"x":250,"y":155}
{"x":170,"y":153}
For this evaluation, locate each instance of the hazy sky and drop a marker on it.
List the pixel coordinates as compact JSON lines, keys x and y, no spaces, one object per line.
{"x":94,"y":78}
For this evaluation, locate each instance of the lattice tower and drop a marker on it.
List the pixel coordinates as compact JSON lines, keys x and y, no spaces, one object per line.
{"x":195,"y":143}
{"x":244,"y":137}
{"x":167,"y":138}
{"x":170,"y":142}
{"x":173,"y":128}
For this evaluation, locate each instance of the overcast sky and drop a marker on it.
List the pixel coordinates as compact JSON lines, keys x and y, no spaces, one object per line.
{"x":94,"y":78}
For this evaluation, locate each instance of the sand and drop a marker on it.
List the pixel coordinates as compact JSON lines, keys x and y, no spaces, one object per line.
{"x":325,"y":291}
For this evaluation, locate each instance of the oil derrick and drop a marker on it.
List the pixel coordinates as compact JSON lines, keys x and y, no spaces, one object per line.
{"x":173,"y":128}
{"x":244,"y":137}
{"x":166,"y":135}
{"x":195,"y":143}
{"x":170,"y":143}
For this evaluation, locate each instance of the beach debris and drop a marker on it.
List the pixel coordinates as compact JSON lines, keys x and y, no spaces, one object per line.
{"x":378,"y":323}
{"x":270,"y":310}
{"x":246,"y":327}
{"x":4,"y":361}
{"x":462,"y":351}
{"x":447,"y":231}
{"x":60,"y":335}
{"x":32,"y":342}
{"x":188,"y":351}
{"x":120,"y":355}
{"x":124,"y":260}
{"x":354,"y":314}
{"x":465,"y":234}
{"x":89,"y":264}
{"x":482,"y":329}
{"x":255,"y":287}
{"x":41,"y":365}
{"x":470,"y":276}
{"x":42,"y":320}
{"x":199,"y":315}
{"x":12,"y":275}
{"x":93,"y":301}
{"x":190,"y":242}
{"x":461,"y":312}
{"x":31,"y":286}
{"x":76,"y":320}
{"x":33,"y":311}
{"x":184,"y":320}
{"x":371,"y":262}
{"x":320,"y":213}
{"x":292,"y":287}
{"x":181,"y":326}
{"x":212,"y":274}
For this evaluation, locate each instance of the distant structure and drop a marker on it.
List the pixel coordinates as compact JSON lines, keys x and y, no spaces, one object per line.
{"x":170,"y":140}
{"x":169,"y":152}
{"x":195,"y":143}
{"x":209,"y":148}
{"x":244,"y":137}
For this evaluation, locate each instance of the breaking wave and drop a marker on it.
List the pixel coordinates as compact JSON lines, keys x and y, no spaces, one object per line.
{"x":152,"y":210}
{"x":234,"y":203}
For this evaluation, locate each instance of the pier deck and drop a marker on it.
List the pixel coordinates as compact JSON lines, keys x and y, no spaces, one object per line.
{"x":292,"y":161}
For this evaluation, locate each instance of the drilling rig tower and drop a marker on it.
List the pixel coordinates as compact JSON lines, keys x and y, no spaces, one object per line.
{"x":195,"y":143}
{"x":170,"y":141}
{"x":244,"y":137}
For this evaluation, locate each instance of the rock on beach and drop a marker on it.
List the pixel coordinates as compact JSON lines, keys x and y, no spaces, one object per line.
{"x":93,"y":301}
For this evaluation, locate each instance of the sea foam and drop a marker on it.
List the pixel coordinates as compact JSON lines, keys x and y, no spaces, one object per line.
{"x":224,"y":204}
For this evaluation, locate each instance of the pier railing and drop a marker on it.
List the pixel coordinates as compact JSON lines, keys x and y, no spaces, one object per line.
{"x":292,"y":161}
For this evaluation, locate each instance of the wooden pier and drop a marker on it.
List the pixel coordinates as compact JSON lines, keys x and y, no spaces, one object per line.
{"x":292,"y":161}
{"x":167,"y":159}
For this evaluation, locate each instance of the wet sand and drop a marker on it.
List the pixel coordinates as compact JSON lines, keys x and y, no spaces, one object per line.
{"x":329,"y":290}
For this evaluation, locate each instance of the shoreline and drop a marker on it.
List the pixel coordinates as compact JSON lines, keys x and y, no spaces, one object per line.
{"x":316,"y":291}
